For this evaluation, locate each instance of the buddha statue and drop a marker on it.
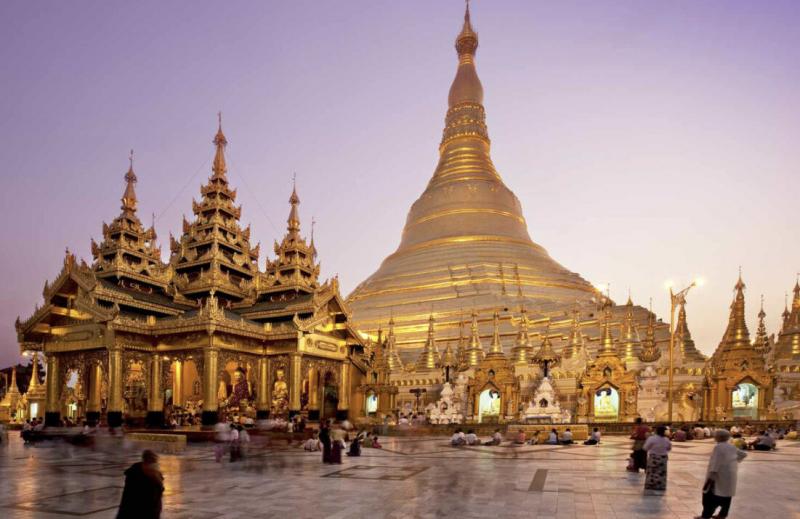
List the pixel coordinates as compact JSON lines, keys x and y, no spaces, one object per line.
{"x":240,"y":393}
{"x":280,"y":392}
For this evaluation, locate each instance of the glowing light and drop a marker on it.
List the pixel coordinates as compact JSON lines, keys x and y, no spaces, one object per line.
{"x":601,"y":287}
{"x":668,"y":284}
{"x":699,"y":281}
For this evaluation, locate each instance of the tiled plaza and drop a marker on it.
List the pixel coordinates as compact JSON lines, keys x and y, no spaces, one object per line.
{"x":410,"y":477}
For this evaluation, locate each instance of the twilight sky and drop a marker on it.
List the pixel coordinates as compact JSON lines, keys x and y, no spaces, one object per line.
{"x":646,"y":140}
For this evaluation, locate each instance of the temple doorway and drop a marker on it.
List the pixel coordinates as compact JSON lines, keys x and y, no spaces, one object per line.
{"x":330,"y":396}
{"x":489,"y":405}
{"x":606,"y":404}
{"x":744,"y":400}
{"x":372,"y":403}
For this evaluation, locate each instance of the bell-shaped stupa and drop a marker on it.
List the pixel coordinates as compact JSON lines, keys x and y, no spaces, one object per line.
{"x":465,"y":242}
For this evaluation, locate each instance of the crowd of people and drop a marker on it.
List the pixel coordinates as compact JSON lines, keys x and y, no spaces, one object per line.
{"x":651,"y":448}
{"x":460,"y":438}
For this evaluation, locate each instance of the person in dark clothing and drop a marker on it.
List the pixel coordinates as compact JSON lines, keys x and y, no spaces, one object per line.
{"x":325,"y":440}
{"x":144,"y":486}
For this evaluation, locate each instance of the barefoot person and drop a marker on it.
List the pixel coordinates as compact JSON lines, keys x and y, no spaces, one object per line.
{"x":721,"y":476}
{"x":144,"y":486}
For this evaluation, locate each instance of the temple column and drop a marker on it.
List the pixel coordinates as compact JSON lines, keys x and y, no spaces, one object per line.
{"x":210,"y":406}
{"x":177,"y":384}
{"x":93,"y":405}
{"x":155,"y":397}
{"x":52,"y":409}
{"x":115,"y":383}
{"x":295,"y":383}
{"x":262,"y":394}
{"x":313,"y":394}
{"x":344,"y":391}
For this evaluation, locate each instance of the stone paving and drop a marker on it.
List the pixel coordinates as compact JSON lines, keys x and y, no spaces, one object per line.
{"x":409,"y":478}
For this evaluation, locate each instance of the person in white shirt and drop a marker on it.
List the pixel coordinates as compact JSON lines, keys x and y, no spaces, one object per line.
{"x":497,"y":438}
{"x":657,"y":447}
{"x":552,"y":439}
{"x":594,"y":439}
{"x":566,"y":437}
{"x":458,"y":439}
{"x":471,"y":438}
{"x":720,"y":483}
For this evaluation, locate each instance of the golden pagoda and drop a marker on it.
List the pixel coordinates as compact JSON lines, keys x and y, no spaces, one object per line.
{"x":522,"y":352}
{"x":429,"y":357}
{"x":465,"y":242}
{"x":650,"y":352}
{"x":631,"y":343}
{"x":739,"y":385}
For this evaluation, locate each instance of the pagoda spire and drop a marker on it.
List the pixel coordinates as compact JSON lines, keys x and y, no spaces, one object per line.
{"x":786,"y":313}
{"x":739,"y":335}
{"x":575,"y":344}
{"x":293,"y":222}
{"x":607,"y":346}
{"x":630,"y":336}
{"x":129,"y":196}
{"x":474,"y":353}
{"x":546,"y":357}
{"x":220,"y":168}
{"x":429,"y":358}
{"x":522,"y":351}
{"x":393,"y":361}
{"x":461,"y":349}
{"x":650,"y":351}
{"x":761,"y":343}
{"x":496,"y":350}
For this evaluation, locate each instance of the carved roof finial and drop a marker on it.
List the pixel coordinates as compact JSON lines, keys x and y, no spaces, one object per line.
{"x":129,"y":196}
{"x":220,"y":168}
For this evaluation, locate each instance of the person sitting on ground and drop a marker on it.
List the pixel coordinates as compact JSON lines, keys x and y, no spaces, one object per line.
{"x":520,"y":439}
{"x":566,"y":437}
{"x":679,"y":436}
{"x":764,"y":442}
{"x":697,"y":432}
{"x":375,"y":443}
{"x":497,"y":438}
{"x":706,"y":432}
{"x":312,"y":444}
{"x":458,"y":439}
{"x":368,"y":439}
{"x":594,"y":439}
{"x":552,"y":439}
{"x":472,"y":438}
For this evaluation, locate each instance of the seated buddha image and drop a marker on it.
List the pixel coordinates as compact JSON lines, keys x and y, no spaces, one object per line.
{"x":280,"y":392}
{"x":240,"y":393}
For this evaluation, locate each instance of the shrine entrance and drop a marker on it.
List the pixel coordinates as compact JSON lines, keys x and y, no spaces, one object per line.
{"x":606,"y":404}
{"x":489,"y":405}
{"x":330,"y":396}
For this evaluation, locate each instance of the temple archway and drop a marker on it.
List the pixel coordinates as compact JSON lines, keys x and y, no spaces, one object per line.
{"x":745,"y":398}
{"x":490,"y":404}
{"x":330,"y":395}
{"x":371,"y":402}
{"x":606,"y":403}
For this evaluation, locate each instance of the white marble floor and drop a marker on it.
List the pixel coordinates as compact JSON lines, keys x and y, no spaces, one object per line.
{"x":409,"y":478}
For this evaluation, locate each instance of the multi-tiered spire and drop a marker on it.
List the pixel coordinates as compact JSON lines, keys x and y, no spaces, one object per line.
{"x":214,"y":256}
{"x":496,"y":349}
{"x":522,"y":352}
{"x":429,"y":358}
{"x":546,"y":357}
{"x":128,"y":254}
{"x":762,"y":343}
{"x":474,"y":353}
{"x":631,"y":343}
{"x":788,"y":344}
{"x":295,"y":267}
{"x":650,"y":351}
{"x":608,"y":347}
{"x":393,"y":361}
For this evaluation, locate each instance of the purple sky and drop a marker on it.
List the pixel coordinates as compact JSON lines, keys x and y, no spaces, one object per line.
{"x":646,"y":140}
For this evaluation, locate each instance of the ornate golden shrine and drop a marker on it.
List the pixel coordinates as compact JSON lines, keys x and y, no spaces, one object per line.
{"x":493,"y":381}
{"x":738,"y":384}
{"x":607,"y":390}
{"x":129,"y":334}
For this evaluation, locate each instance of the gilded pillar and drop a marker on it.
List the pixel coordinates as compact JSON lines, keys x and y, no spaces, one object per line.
{"x":115,"y":384}
{"x":210,"y":406}
{"x":52,"y":414}
{"x":94,"y":400}
{"x":344,"y":391}
{"x":262,"y":393}
{"x":155,"y":397}
{"x":313,"y":394}
{"x":295,"y":383}
{"x":177,"y":384}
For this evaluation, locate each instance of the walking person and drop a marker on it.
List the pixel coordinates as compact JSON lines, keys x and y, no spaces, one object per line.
{"x":639,"y":455}
{"x":338,"y":436}
{"x":657,"y":447}
{"x":720,"y":483}
{"x":144,"y":486}
{"x":325,"y":440}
